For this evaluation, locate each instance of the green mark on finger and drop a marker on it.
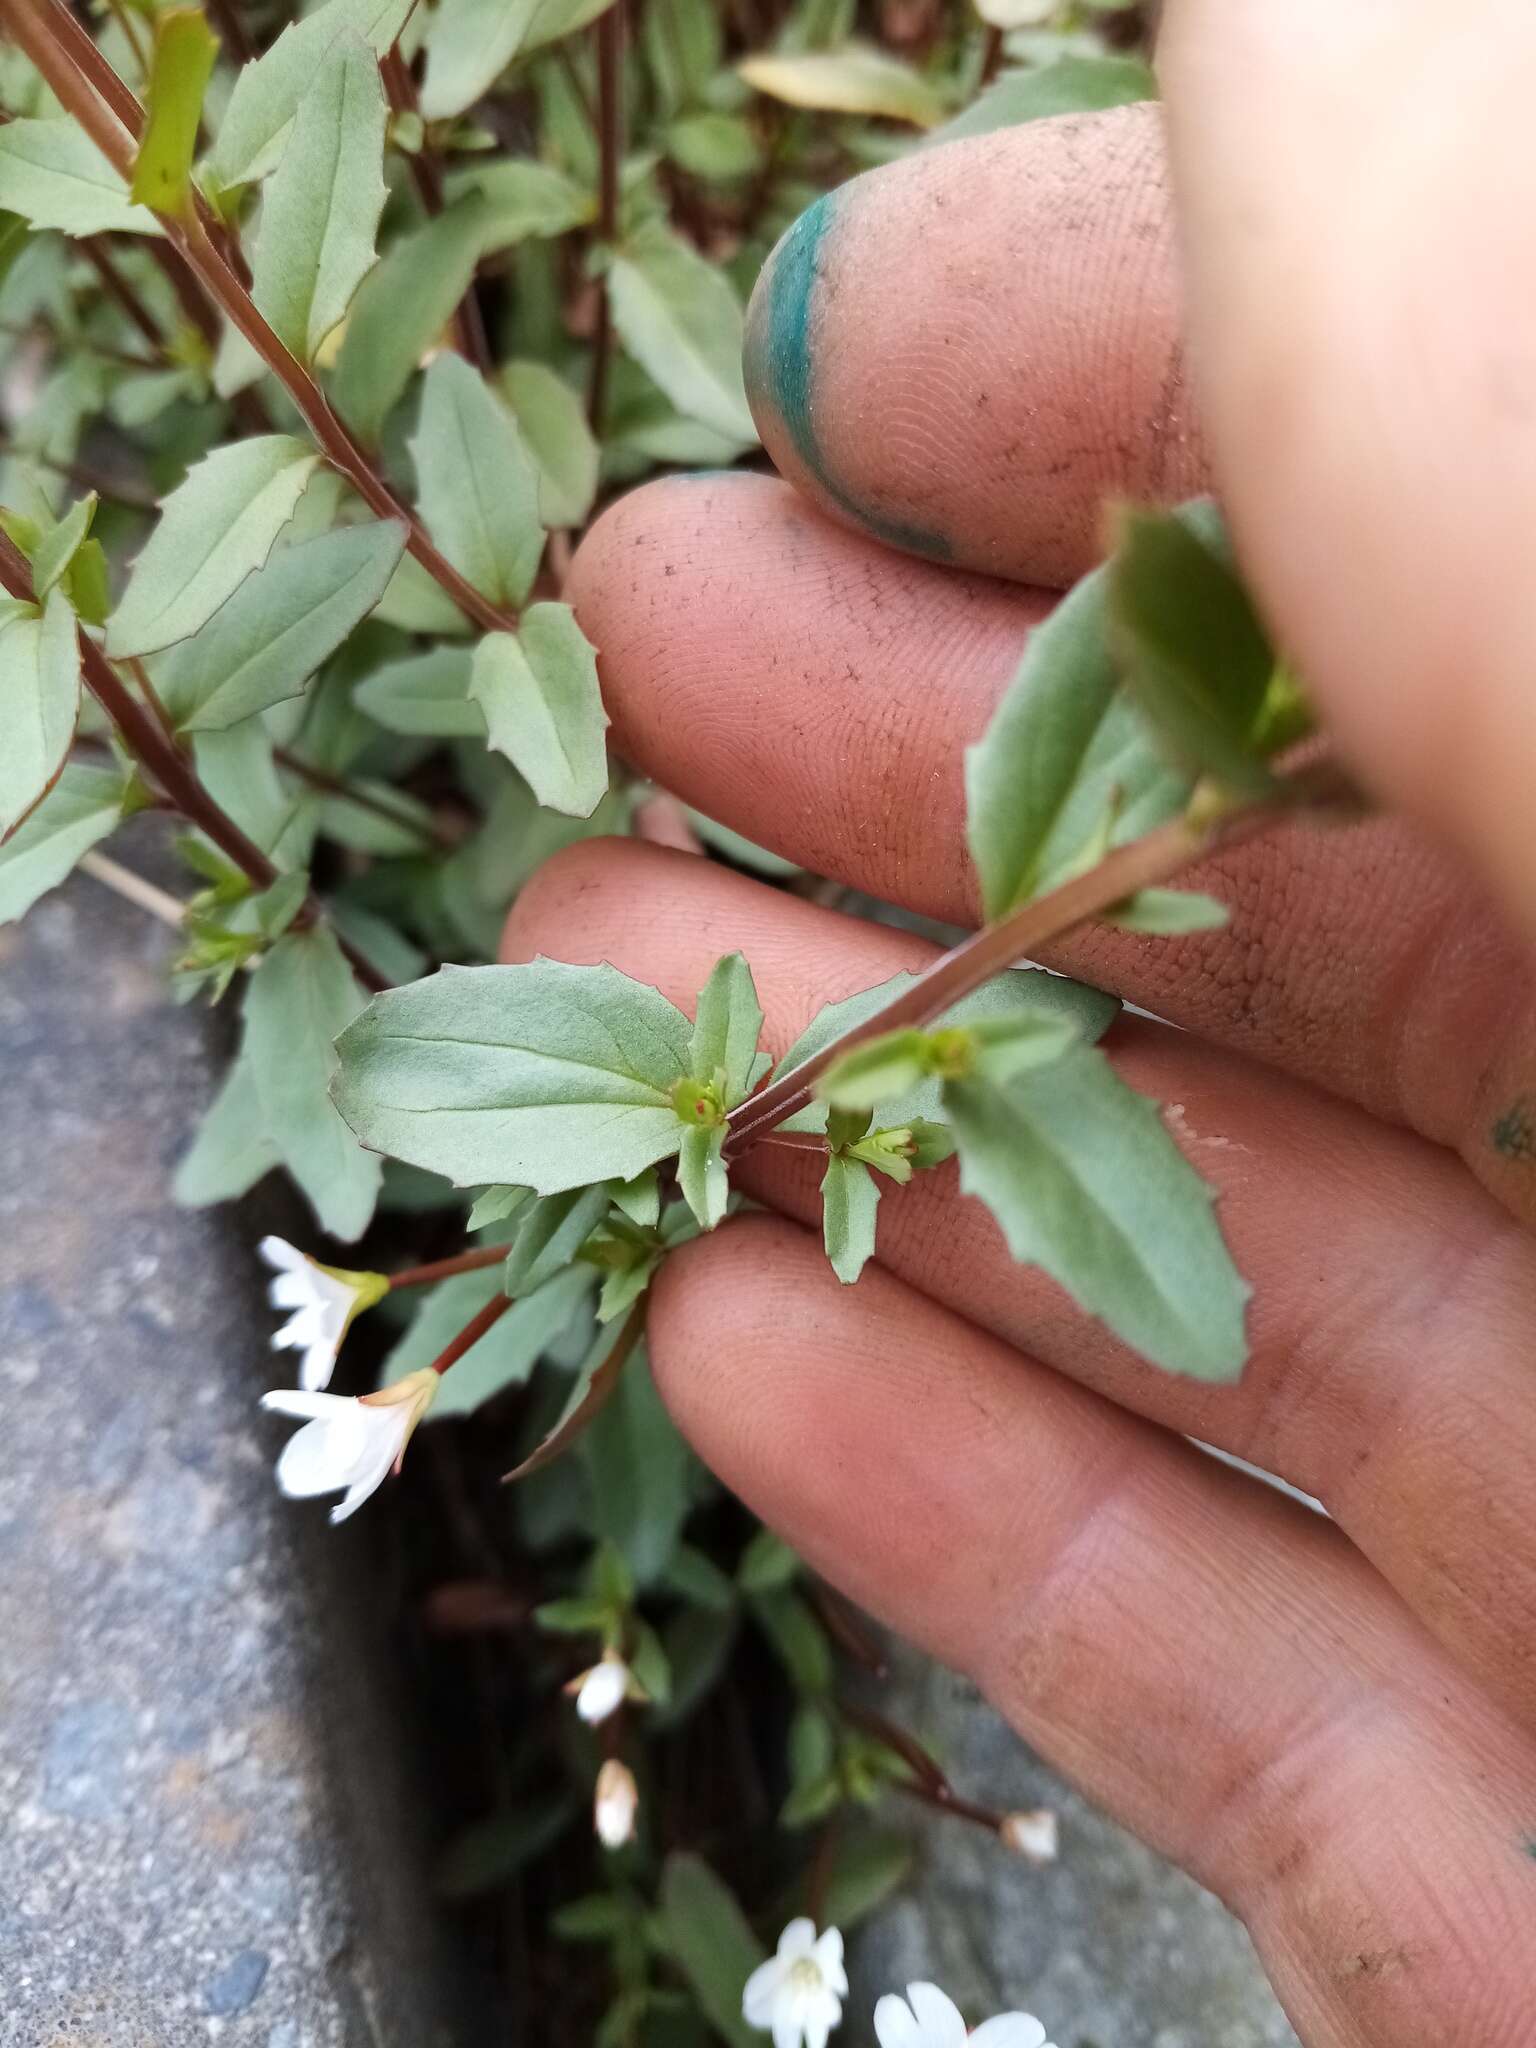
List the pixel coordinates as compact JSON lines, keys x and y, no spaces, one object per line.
{"x":783,"y":336}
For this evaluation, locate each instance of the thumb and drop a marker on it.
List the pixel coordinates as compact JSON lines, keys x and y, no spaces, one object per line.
{"x":1356,"y":187}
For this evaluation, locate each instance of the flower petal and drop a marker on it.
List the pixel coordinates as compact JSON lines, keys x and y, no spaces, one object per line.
{"x":760,"y":1993}
{"x":316,"y":1366}
{"x":798,"y":1939}
{"x":787,"y":2030}
{"x":307,"y":1406}
{"x":895,"y":2026}
{"x":318,"y":1459}
{"x":829,"y":1958}
{"x":938,"y":2017}
{"x":277,"y":1251}
{"x":1009,"y":2030}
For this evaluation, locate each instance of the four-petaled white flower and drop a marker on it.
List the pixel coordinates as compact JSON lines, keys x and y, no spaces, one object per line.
{"x":347,"y":1446}
{"x":614,"y":1804}
{"x":324,"y":1299}
{"x":798,"y":1993}
{"x":604,"y":1689}
{"x":925,"y":2018}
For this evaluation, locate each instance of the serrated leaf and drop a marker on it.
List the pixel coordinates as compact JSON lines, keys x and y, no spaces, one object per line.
{"x":180,"y":68}
{"x":850,"y":1196}
{"x":680,"y":320}
{"x":701,"y":1173}
{"x":424,"y":695}
{"x":81,"y":808}
{"x":320,"y":213}
{"x":548,"y":1236}
{"x":504,"y":1356}
{"x":553,"y":424}
{"x":266,"y":641}
{"x":595,"y":1384}
{"x":471,"y":42}
{"x":301,"y":998}
{"x":40,"y":696}
{"x":495,"y":1206}
{"x":55,"y":177}
{"x":1086,"y":1182}
{"x":60,"y":544}
{"x":544,"y":1076}
{"x":1191,"y":646}
{"x":477,"y":491}
{"x":1167,"y":913}
{"x":709,"y":1939}
{"x":1063,"y":746}
{"x":214,"y":529}
{"x":1072,"y":85}
{"x":262,"y":106}
{"x":728,"y":1022}
{"x":543,"y":709}
{"x":231,"y":1150}
{"x":856,"y":79}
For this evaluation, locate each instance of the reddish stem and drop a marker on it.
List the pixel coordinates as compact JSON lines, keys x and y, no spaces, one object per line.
{"x":473,"y":1331}
{"x":444,"y":1269}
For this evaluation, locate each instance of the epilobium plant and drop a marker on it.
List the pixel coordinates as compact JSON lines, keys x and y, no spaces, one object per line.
{"x":314,"y":380}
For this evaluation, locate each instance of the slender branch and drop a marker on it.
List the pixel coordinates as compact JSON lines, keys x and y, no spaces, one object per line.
{"x":610,"y":143}
{"x":473,"y":1330}
{"x":469,"y":335}
{"x":927,"y":1783}
{"x":134,"y":889}
{"x":364,"y":799}
{"x":51,"y":38}
{"x":444,"y":1269}
{"x":1140,"y":865}
{"x":124,"y":20}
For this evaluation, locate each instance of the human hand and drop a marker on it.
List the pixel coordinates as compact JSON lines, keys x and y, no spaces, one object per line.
{"x":1332,"y":1725}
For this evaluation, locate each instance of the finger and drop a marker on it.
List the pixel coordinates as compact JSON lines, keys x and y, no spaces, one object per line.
{"x":1393,"y":1308}
{"x":1210,"y":1661}
{"x":1356,"y":186}
{"x":806,"y":687}
{"x":967,"y":352}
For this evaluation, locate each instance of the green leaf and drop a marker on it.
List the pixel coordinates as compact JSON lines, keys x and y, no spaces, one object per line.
{"x":701,"y":1173}
{"x":214,"y":529}
{"x":185,"y":48}
{"x":424,"y":695}
{"x":1086,"y":1182}
{"x":1064,"y":750}
{"x":712,"y":1944}
{"x":856,"y":79}
{"x":553,"y":423}
{"x":638,"y":1199}
{"x":58,"y":547}
{"x":680,"y":320}
{"x":508,"y":1351}
{"x":1167,"y":913}
{"x":593,"y":1388}
{"x":574,"y":1617}
{"x":543,"y":709}
{"x":491,"y":1851}
{"x":717,"y":147}
{"x":522,"y":198}
{"x":798,"y":1637}
{"x":321,"y":209}
{"x":549,"y":1235}
{"x":87,"y":584}
{"x":40,"y":671}
{"x":495,"y":1206}
{"x":301,"y":996}
{"x":231,"y":1150}
{"x":728,"y":1023}
{"x":266,"y":97}
{"x":850,"y":1196}
{"x":55,"y":177}
{"x":81,"y":808}
{"x":471,"y":42}
{"x":866,"y":1868}
{"x":1190,"y":643}
{"x":543,"y":1076}
{"x":1072,"y":85}
{"x":266,"y":641}
{"x":477,"y":491}
{"x":641,"y":1475}
{"x":766,"y":1564}
{"x":693,"y":1575}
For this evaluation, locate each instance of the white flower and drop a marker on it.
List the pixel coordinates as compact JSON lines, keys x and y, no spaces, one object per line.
{"x":1033,"y":1835}
{"x":798,"y":1992}
{"x":324,"y":1300}
{"x":604,"y":1689}
{"x":347,"y":1446}
{"x":615,"y":1804}
{"x":925,"y":2018}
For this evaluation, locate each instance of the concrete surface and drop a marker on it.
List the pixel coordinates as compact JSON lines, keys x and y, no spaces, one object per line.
{"x":1109,"y":1946}
{"x":203,"y":1832}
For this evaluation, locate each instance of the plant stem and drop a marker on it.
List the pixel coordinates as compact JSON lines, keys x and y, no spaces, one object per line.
{"x":117,"y":287}
{"x":1142,"y":864}
{"x":365,"y":800}
{"x":51,"y":37}
{"x":610,"y":143}
{"x":473,"y":1330}
{"x":444,"y":1269}
{"x":927,"y":1783}
{"x":133,"y":888}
